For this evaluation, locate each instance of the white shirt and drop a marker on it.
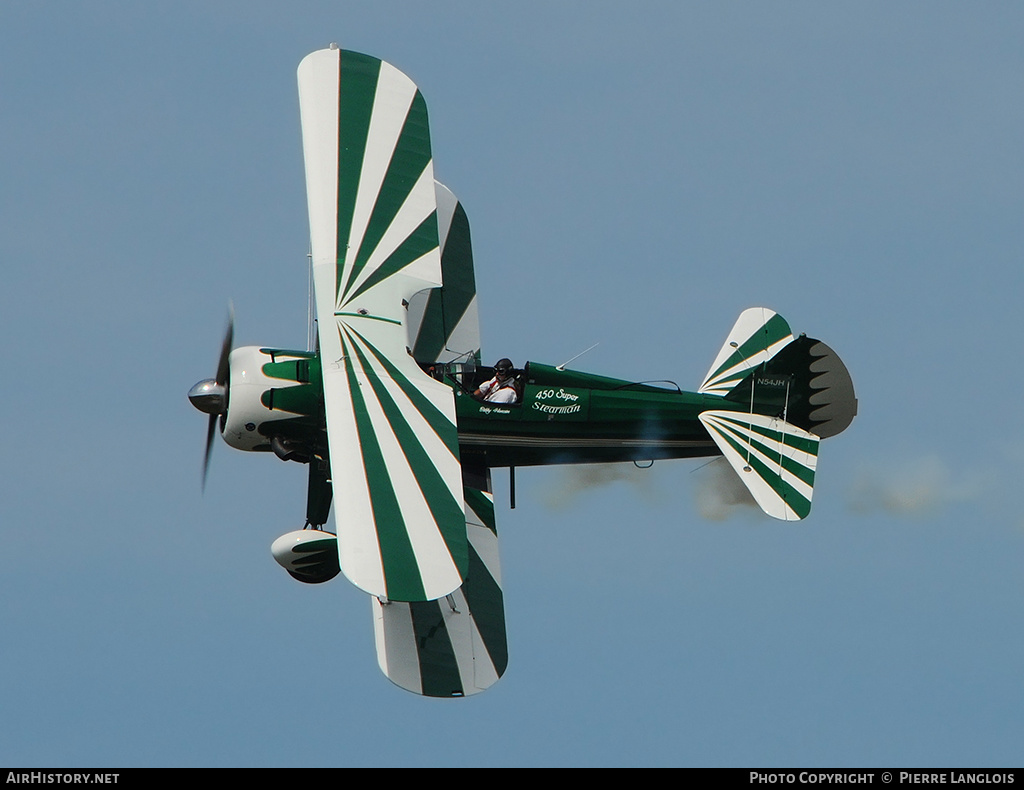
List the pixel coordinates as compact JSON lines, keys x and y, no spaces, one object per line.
{"x":496,"y":392}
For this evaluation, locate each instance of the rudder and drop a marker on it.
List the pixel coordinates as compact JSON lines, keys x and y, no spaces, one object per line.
{"x":806,"y":384}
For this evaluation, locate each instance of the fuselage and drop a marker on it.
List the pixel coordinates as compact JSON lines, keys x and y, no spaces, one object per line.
{"x":560,"y":416}
{"x":566,"y":416}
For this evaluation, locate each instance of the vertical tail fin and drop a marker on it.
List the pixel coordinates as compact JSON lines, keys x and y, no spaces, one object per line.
{"x":757,"y":335}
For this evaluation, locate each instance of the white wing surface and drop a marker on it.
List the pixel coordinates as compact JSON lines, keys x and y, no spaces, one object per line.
{"x":391,"y":428}
{"x":454,"y":646}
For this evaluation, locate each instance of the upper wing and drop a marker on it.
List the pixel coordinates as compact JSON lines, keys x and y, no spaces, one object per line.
{"x":444,"y":325}
{"x":391,"y":428}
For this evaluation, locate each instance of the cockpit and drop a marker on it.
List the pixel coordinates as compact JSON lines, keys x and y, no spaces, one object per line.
{"x":500,"y":383}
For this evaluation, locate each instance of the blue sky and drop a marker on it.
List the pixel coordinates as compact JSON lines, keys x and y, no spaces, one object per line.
{"x":634,"y":176}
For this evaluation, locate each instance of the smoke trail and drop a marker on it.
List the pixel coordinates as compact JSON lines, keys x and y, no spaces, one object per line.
{"x":574,"y":481}
{"x":720,"y":493}
{"x":913,"y":487}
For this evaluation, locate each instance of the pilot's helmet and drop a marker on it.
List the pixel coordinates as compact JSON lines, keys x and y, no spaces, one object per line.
{"x":503,"y":368}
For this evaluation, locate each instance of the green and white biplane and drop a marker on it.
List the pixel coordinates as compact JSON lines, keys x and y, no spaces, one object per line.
{"x":385,"y":407}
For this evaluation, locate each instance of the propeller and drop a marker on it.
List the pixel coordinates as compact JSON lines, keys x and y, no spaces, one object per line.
{"x":210,"y":396}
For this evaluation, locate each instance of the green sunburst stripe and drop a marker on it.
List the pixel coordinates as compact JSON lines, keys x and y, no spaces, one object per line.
{"x":482,"y":505}
{"x":416,"y":245}
{"x":447,"y":305}
{"x":408,"y":161}
{"x":401,"y":572}
{"x":792,"y":440}
{"x":730,"y":382}
{"x":439,"y":668}
{"x":458,"y":262}
{"x":794,"y":467}
{"x":796,"y":501}
{"x":486,"y":602}
{"x":774,"y":330}
{"x":448,"y":512}
{"x":357,"y":88}
{"x":433,"y":335}
{"x":437,"y":419}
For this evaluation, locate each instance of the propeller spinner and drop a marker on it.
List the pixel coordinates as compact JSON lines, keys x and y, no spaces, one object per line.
{"x":210,"y":396}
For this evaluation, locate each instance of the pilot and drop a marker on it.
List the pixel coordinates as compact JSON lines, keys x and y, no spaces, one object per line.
{"x":502,"y":388}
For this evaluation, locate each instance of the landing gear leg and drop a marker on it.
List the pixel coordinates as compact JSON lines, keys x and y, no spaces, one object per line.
{"x":318,"y":496}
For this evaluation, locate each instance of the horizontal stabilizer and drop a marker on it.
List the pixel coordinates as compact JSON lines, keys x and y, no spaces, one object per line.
{"x":757,"y":336}
{"x":775,"y":460}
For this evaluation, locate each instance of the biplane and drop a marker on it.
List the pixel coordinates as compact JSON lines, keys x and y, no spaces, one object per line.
{"x":385,"y":407}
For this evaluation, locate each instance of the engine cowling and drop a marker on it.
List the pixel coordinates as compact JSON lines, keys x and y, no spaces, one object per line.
{"x":275,"y":400}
